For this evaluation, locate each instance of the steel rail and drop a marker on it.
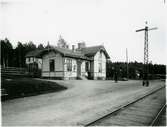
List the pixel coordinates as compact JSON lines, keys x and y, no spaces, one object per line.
{"x":123,"y":106}
{"x":157,"y":116}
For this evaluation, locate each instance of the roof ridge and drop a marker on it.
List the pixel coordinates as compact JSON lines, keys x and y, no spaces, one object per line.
{"x":84,"y":52}
{"x":94,"y":46}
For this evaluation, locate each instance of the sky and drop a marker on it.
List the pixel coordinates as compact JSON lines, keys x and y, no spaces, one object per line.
{"x":111,"y":23}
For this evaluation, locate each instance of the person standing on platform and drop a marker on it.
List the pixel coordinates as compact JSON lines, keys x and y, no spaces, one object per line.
{"x":116,"y":77}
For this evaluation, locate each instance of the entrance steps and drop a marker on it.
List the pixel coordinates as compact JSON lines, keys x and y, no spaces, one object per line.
{"x":82,"y":78}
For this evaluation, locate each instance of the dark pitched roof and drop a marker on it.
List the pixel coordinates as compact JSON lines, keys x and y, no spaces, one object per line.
{"x":63,"y":51}
{"x":91,"y":51}
{"x":34,"y":53}
{"x":71,"y":53}
{"x":84,"y":53}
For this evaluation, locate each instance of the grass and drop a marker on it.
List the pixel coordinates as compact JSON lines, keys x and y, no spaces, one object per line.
{"x":22,"y":87}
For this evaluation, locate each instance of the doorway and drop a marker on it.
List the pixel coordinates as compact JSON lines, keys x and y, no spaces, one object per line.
{"x":79,"y":62}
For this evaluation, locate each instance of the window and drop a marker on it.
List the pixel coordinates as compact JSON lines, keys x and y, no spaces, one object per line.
{"x":100,"y":55}
{"x":28,"y":59}
{"x":52,"y":65}
{"x":31,"y":59}
{"x":74,"y":68}
{"x":69,"y":64}
{"x":100,"y":67}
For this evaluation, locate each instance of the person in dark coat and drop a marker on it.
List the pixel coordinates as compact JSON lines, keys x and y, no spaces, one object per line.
{"x":116,"y":77}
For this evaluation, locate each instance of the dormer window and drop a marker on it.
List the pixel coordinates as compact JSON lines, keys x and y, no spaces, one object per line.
{"x":100,"y":56}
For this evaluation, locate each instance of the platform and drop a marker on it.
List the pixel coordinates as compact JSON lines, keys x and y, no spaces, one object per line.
{"x":82,"y":102}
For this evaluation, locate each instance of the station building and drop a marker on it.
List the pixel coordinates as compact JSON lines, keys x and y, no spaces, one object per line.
{"x":64,"y":63}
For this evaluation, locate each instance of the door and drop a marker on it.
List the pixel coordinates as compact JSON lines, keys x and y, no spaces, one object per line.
{"x":79,"y":68}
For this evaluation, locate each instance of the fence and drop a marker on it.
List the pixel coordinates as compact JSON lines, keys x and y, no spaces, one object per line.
{"x":12,"y":72}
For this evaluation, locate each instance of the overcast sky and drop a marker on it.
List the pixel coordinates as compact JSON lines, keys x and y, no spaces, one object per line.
{"x":108,"y":22}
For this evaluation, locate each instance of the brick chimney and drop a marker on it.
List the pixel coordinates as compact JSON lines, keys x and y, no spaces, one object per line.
{"x":73,"y":48}
{"x":81,"y":45}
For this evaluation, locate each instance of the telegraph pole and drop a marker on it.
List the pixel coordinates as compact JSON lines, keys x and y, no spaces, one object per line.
{"x":127,"y":64}
{"x":146,"y":54}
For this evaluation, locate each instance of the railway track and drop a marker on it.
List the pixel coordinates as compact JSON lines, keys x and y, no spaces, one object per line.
{"x":145,"y":111}
{"x":160,"y":119}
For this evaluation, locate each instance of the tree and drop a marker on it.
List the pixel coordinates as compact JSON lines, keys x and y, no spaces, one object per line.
{"x":3,"y":46}
{"x":19,"y":54}
{"x":49,"y":46}
{"x":40,"y":46}
{"x":6,"y":53}
{"x":29,"y":46}
{"x":62,"y":43}
{"x":135,"y":68}
{"x":109,"y":69}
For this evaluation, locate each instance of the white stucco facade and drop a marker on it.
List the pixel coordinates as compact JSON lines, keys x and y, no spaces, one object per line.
{"x":58,"y":65}
{"x":99,"y":65}
{"x":68,"y":68}
{"x":64,"y":67}
{"x":66,"y":64}
{"x":70,"y":73}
